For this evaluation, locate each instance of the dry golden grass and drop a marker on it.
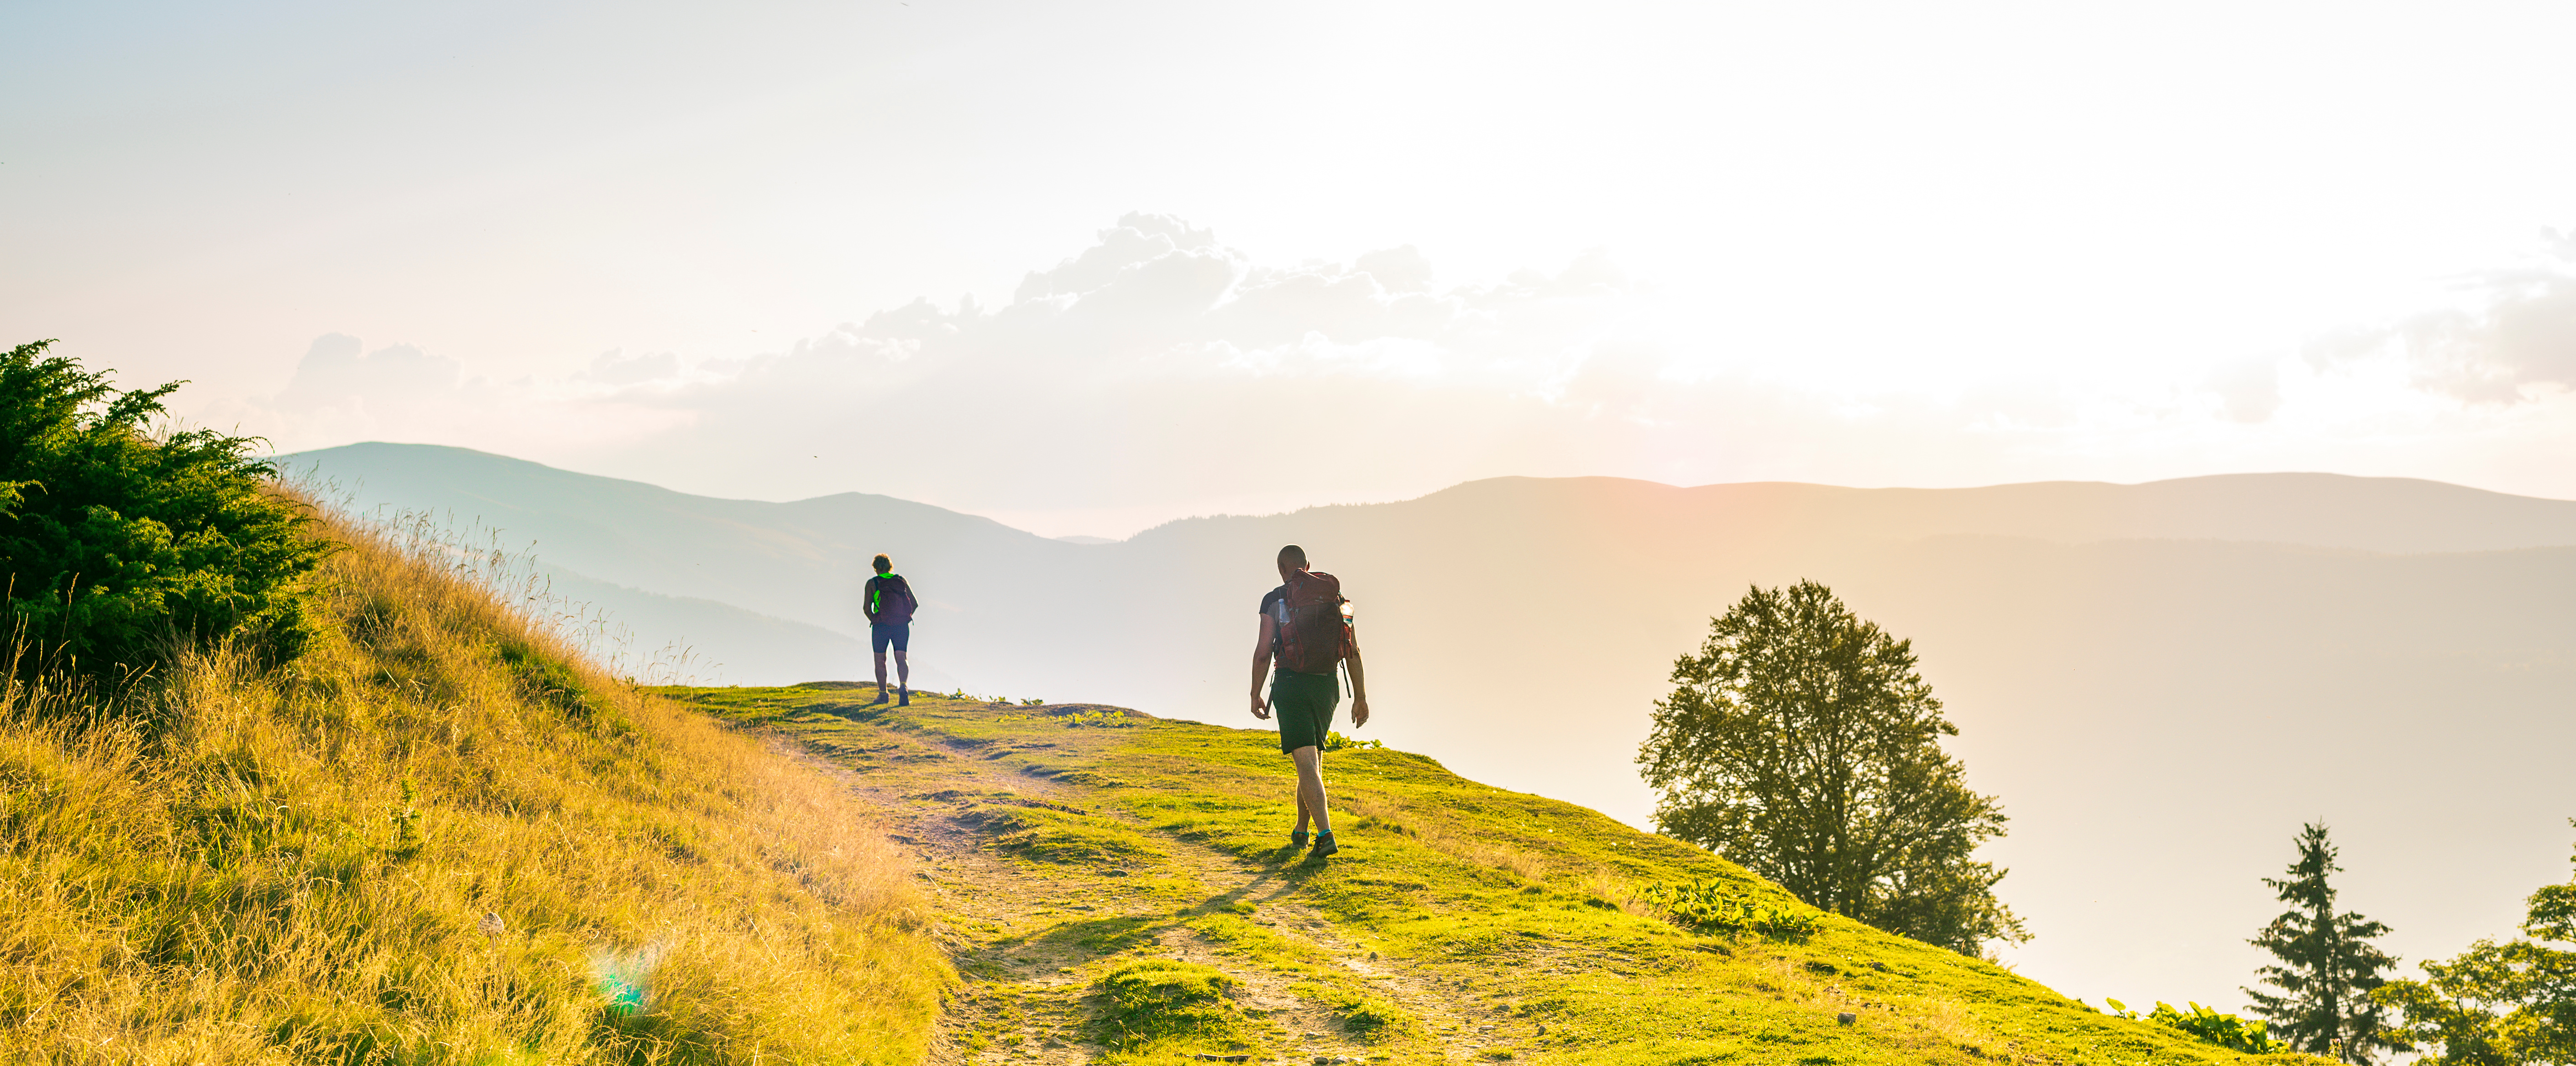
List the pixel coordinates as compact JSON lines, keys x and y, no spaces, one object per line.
{"x":438,"y":837}
{"x":1440,"y":835}
{"x":1620,"y":892}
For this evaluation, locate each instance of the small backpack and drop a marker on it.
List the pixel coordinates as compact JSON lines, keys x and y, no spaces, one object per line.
{"x":1314,"y":636}
{"x":891,"y":595}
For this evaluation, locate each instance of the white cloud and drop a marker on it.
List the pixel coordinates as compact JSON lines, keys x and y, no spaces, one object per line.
{"x":1159,"y":373}
{"x":341,"y":392}
{"x":615,"y":368}
{"x":2517,"y":342}
{"x":1403,"y":269}
{"x":334,"y":375}
{"x":2250,"y":388}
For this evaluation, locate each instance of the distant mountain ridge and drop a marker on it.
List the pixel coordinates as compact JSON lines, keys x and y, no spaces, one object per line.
{"x":2160,"y":680}
{"x":2395,"y":515}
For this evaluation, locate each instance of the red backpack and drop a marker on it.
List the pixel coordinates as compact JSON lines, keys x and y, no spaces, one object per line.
{"x":1315,"y":636}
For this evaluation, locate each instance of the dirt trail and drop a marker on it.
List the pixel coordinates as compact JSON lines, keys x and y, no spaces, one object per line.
{"x":1012,"y":927}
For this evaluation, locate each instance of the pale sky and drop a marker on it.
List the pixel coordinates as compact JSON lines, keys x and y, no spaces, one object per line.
{"x":1870,"y":245}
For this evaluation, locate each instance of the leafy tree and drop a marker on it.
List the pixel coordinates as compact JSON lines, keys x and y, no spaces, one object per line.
{"x":2328,"y":966}
{"x":2499,"y":1003}
{"x":119,"y":543}
{"x":1801,"y":743}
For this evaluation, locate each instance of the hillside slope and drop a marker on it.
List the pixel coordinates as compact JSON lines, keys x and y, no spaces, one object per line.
{"x":436,"y":838}
{"x":1120,"y":890}
{"x":783,"y":560}
{"x":721,"y":641}
{"x":2235,"y":654}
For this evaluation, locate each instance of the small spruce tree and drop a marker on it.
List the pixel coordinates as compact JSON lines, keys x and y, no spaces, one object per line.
{"x":2328,"y":966}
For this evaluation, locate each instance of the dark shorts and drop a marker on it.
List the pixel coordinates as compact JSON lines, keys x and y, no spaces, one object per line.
{"x":1303,"y":705}
{"x":898,"y":634}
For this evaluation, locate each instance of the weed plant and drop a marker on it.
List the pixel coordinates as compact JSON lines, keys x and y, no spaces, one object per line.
{"x":1095,"y":720}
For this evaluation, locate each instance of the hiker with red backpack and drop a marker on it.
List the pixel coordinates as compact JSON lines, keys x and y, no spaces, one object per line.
{"x":1306,"y":628}
{"x":889,"y":604}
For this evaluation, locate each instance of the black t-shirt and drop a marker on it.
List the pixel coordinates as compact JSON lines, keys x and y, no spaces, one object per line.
{"x":1275,"y":607}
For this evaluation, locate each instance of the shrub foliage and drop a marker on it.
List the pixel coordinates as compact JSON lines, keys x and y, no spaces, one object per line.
{"x":2225,"y":1030}
{"x":1710,"y":905}
{"x":119,"y":544}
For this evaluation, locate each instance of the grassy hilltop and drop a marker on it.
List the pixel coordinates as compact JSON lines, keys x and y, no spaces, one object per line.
{"x":437,"y":837}
{"x":440,"y":837}
{"x":1119,"y":888}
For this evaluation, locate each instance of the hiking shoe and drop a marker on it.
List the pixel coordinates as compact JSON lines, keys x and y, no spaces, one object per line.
{"x":1324,"y":846}
{"x":906,"y":700}
{"x":1297,"y":838}
{"x":881,"y":698}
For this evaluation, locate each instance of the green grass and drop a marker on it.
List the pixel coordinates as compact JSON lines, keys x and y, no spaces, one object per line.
{"x":1059,"y":835}
{"x":1371,"y":1018}
{"x":1555,"y":933}
{"x":1158,"y":1003}
{"x":437,"y":838}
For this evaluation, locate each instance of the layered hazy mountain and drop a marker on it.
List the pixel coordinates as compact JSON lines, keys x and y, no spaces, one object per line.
{"x":2161,"y":681}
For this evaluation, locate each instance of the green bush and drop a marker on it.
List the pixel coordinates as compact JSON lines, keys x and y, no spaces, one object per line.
{"x":1713,"y":907}
{"x":2225,"y":1030}
{"x":120,"y":544}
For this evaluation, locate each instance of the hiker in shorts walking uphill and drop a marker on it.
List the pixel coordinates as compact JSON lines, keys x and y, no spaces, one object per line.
{"x":890,"y":605}
{"x":1305,"y":627}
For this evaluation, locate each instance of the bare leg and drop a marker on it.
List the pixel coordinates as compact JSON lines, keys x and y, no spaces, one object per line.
{"x":1310,"y":789}
{"x":881,"y":673}
{"x":902,"y":670}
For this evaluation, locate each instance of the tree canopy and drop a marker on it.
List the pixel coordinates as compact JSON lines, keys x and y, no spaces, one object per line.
{"x":2327,"y":967}
{"x":120,"y":544}
{"x":1801,"y":742}
{"x":2499,"y":1004}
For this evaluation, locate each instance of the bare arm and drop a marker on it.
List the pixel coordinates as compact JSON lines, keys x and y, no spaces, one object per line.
{"x":1359,"y":683}
{"x":1261,"y":667}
